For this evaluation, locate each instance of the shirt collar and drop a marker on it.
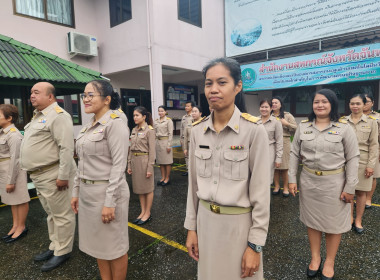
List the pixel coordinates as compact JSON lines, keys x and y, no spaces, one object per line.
{"x":47,"y":109}
{"x":6,"y":130}
{"x":363,"y":118}
{"x":233,"y":123}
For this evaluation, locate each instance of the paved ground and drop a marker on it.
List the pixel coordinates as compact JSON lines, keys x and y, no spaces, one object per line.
{"x":156,"y":250}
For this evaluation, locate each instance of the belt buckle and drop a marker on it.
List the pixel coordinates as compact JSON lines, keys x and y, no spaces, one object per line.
{"x":318,"y":173}
{"x":215,"y":208}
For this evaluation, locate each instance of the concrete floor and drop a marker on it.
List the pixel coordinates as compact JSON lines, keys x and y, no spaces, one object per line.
{"x":286,"y":254}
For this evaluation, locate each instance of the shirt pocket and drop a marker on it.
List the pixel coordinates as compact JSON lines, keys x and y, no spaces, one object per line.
{"x":95,"y":145}
{"x":364,"y":133}
{"x":3,"y":145}
{"x":308,"y":142}
{"x":333,"y":143}
{"x":271,"y":136}
{"x":236,"y":165}
{"x":203,"y":159}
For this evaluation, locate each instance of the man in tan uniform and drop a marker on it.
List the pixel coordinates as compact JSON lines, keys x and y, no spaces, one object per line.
{"x":47,"y":154}
{"x":186,"y":121}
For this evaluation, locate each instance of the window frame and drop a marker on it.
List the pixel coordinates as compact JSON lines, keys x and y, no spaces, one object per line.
{"x":189,"y":21}
{"x":109,"y":5}
{"x":45,"y":13}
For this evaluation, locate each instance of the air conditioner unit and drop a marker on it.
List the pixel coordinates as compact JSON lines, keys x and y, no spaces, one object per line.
{"x":81,"y":44}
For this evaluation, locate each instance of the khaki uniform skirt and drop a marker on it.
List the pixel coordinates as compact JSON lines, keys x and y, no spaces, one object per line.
{"x":319,"y":198}
{"x":140,"y":183}
{"x":376,"y":173}
{"x":20,"y":195}
{"x":222,"y":241}
{"x":99,"y":240}
{"x":365,"y":184}
{"x":285,"y":154}
{"x":162,"y":156}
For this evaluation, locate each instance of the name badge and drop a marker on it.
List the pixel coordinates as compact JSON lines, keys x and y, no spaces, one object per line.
{"x":333,"y":132}
{"x":308,"y":132}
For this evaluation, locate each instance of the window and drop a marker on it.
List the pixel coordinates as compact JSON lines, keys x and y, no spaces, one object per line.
{"x":120,"y":11}
{"x":190,"y":11}
{"x":71,"y":105}
{"x":57,"y":11}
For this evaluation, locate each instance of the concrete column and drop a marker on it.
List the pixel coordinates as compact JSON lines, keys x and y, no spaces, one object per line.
{"x":156,"y":88}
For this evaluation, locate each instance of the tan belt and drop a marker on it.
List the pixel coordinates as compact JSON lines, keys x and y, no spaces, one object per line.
{"x":140,"y":154}
{"x":4,"y":159}
{"x":162,"y":137}
{"x":324,"y":173}
{"x":94,"y":181}
{"x":44,"y":168}
{"x":229,"y":210}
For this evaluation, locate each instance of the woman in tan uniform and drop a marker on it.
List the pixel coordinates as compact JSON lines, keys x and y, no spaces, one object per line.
{"x":196,"y":114}
{"x":289,"y":126}
{"x":141,"y":160}
{"x":163,"y":127}
{"x":228,"y":200}
{"x":101,"y":193}
{"x":13,"y":182}
{"x":328,"y":150}
{"x":274,"y":131}
{"x":376,"y":174}
{"x":367,"y":135}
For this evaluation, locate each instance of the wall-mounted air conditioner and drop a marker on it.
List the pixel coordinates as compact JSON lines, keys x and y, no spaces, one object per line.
{"x":82,"y":44}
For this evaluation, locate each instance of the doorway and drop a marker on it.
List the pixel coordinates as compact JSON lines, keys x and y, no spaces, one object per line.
{"x":131,"y":98}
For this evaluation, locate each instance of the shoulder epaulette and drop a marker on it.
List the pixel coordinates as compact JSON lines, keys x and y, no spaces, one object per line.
{"x":250,"y":118}
{"x":341,"y":120}
{"x":277,"y":118}
{"x":342,"y":117}
{"x":150,"y":127}
{"x":305,"y":121}
{"x":58,"y":109}
{"x":114,"y":116}
{"x":168,"y":118}
{"x":13,"y":129}
{"x":372,"y":117}
{"x":198,"y":121}
{"x":121,"y":111}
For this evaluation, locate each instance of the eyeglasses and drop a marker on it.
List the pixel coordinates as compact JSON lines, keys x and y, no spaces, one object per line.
{"x":88,"y":96}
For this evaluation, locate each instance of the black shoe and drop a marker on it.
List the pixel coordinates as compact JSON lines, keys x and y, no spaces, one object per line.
{"x":326,"y":278}
{"x":285,"y":194}
{"x":141,"y":222}
{"x":313,"y":273}
{"x":136,"y":221}
{"x":276,"y":193}
{"x":368,"y":206}
{"x":22,"y":234}
{"x":165,"y":184}
{"x":357,"y":229}
{"x":54,"y":262}
{"x":5,"y":237}
{"x":159,"y":183}
{"x":44,"y":256}
{"x":185,"y":173}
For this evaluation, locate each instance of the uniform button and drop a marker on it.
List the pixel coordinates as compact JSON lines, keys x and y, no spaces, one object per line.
{"x":217,"y":165}
{"x":217,"y":148}
{"x":215,"y":182}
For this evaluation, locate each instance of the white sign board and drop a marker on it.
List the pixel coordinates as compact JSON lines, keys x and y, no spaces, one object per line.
{"x":255,"y":25}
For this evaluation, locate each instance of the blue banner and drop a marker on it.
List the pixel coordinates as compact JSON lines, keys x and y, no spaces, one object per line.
{"x":346,"y":65}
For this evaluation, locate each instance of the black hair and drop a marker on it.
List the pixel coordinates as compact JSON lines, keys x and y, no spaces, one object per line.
{"x":361,"y":96}
{"x":143,"y":111}
{"x":235,"y":72}
{"x":266,"y":101}
{"x":370,"y":96}
{"x":106,"y":89}
{"x":198,"y":107}
{"x":282,"y":109}
{"x":190,"y":102}
{"x":163,"y":107}
{"x":334,"y":103}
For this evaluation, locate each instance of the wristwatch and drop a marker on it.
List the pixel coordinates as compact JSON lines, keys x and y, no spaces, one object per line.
{"x":256,"y":248}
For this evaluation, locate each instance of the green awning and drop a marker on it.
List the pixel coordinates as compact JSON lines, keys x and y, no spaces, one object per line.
{"x":22,"y":62}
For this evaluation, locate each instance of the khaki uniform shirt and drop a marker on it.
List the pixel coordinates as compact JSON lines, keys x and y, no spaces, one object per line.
{"x":48,"y":139}
{"x":289,"y":130}
{"x":376,"y":116}
{"x":143,"y":140}
{"x":330,"y":149}
{"x":274,"y":129}
{"x":367,"y":135}
{"x":185,"y":122}
{"x":102,"y":151}
{"x":121,"y":115}
{"x":230,"y":168}
{"x":10,"y":142}
{"x":164,"y":129}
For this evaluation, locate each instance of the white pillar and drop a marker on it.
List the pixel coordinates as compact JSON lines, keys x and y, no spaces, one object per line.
{"x":156,"y":88}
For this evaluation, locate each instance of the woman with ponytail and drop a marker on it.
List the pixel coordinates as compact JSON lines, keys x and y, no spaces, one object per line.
{"x":141,"y":160}
{"x":101,"y":193}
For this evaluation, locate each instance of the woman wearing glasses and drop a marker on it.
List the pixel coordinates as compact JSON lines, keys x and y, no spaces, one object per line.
{"x":101,"y":193}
